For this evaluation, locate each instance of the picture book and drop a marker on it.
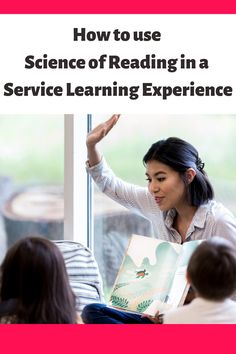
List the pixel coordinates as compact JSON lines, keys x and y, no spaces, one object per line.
{"x":152,"y":276}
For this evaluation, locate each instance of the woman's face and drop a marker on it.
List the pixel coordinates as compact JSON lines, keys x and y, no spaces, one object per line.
{"x":166,"y":186}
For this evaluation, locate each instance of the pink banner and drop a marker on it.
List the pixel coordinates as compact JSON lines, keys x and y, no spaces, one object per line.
{"x":118,"y":7}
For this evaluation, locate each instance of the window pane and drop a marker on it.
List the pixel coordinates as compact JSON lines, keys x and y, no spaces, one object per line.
{"x":31,"y":179}
{"x":124,"y":148}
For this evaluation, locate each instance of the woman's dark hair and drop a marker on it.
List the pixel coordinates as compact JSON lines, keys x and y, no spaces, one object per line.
{"x":34,"y":273}
{"x":212,"y":269}
{"x":180,"y":155}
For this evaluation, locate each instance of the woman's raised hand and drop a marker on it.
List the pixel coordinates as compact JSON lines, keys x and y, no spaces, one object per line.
{"x":98,"y":133}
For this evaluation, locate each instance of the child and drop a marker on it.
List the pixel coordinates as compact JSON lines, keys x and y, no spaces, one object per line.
{"x":212,"y":274}
{"x":34,"y":284}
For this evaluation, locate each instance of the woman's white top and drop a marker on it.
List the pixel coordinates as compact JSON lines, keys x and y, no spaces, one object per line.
{"x":210,"y":219}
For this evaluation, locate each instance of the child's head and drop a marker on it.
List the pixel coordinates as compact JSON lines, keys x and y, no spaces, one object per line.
{"x":212,"y":269}
{"x":34,"y":273}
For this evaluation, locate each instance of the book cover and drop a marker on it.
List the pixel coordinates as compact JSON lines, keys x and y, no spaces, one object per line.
{"x":152,"y":275}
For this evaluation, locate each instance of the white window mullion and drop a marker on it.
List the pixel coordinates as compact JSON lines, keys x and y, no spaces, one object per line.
{"x":77,"y":222}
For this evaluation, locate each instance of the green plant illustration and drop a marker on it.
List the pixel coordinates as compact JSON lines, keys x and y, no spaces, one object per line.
{"x":119,"y":301}
{"x":120,"y":285}
{"x":144,"y":305}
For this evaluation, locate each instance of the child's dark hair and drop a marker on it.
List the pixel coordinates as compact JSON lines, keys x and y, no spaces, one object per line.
{"x":34,"y":274}
{"x":180,"y":155}
{"x":212,"y":269}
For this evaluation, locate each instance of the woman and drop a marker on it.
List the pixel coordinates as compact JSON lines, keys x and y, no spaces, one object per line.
{"x":34,"y":284}
{"x":178,"y":201}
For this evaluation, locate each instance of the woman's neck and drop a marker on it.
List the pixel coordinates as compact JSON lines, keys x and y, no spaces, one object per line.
{"x":183,"y":219}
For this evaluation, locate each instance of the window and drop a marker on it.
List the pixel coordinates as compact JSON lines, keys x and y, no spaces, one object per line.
{"x":32,"y":152}
{"x":32,"y":176}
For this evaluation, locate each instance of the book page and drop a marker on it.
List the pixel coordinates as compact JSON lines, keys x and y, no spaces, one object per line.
{"x":152,"y":276}
{"x":179,"y":283}
{"x":146,"y":274}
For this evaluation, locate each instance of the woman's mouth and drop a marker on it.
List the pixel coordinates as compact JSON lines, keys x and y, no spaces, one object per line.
{"x":159,"y":199}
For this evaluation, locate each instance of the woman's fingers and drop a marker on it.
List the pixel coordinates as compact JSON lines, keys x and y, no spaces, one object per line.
{"x":109,"y":124}
{"x":102,"y":130}
{"x":114,"y":118}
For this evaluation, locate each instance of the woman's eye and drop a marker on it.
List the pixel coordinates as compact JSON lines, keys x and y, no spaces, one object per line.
{"x":148,"y":179}
{"x":161,"y":179}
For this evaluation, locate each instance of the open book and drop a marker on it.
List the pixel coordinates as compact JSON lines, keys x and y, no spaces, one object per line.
{"x":152,"y":276}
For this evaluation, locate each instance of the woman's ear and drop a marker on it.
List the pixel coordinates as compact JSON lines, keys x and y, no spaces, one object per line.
{"x":190,"y":174}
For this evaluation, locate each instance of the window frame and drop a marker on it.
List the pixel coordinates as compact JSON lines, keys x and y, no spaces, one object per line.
{"x":78,"y":189}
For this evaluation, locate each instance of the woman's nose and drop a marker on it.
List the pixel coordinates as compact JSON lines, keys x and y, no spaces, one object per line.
{"x":154,"y":187}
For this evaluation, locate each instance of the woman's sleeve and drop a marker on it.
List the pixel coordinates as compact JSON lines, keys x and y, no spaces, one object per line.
{"x":126,"y":194}
{"x":225,"y":226}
